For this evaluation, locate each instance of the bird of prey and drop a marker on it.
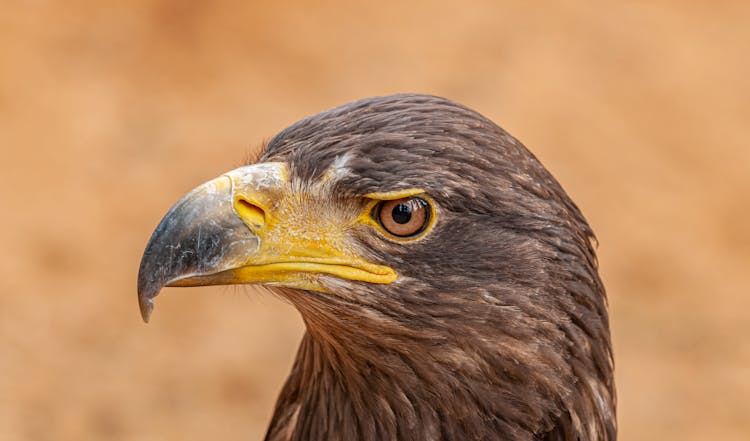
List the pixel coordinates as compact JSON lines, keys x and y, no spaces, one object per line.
{"x":448,"y":284}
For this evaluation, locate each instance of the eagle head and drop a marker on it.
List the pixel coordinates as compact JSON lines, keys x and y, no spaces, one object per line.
{"x":448,"y":284}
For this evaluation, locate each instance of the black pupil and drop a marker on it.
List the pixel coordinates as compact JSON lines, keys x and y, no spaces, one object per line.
{"x":401,"y":213}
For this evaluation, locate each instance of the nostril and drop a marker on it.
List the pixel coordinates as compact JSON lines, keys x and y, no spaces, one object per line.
{"x":252,"y":215}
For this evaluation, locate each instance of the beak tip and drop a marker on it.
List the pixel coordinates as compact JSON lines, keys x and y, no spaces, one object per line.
{"x":146,"y":305}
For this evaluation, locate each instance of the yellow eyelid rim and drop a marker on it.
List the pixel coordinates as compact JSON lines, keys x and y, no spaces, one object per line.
{"x":393,"y":195}
{"x":366,"y":217}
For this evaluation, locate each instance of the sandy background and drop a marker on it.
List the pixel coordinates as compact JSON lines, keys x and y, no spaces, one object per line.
{"x":108,"y":114}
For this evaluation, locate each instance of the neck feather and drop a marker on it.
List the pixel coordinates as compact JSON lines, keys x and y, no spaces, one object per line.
{"x":389,"y":380}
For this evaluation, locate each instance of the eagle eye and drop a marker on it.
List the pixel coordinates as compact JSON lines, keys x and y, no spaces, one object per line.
{"x":403,"y":218}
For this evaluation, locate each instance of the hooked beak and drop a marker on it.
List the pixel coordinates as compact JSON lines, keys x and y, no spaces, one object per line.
{"x":227,"y":231}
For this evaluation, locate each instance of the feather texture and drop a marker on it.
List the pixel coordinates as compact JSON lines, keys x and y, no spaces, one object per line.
{"x":497,"y":327}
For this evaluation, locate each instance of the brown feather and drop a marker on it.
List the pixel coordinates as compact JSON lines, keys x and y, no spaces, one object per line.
{"x":497,"y":328}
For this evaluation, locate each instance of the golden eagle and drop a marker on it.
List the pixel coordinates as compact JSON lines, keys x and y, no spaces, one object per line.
{"x":448,"y":284}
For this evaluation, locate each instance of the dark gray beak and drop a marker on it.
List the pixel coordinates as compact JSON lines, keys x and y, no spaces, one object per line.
{"x":200,"y":235}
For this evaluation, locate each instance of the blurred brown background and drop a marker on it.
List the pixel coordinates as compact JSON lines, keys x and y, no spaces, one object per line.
{"x":109,"y":113}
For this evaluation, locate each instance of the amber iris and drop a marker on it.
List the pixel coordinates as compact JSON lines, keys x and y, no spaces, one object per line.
{"x":404,"y":217}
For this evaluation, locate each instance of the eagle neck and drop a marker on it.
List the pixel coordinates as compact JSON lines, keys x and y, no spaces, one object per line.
{"x":364,"y":374}
{"x":371,"y":385}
